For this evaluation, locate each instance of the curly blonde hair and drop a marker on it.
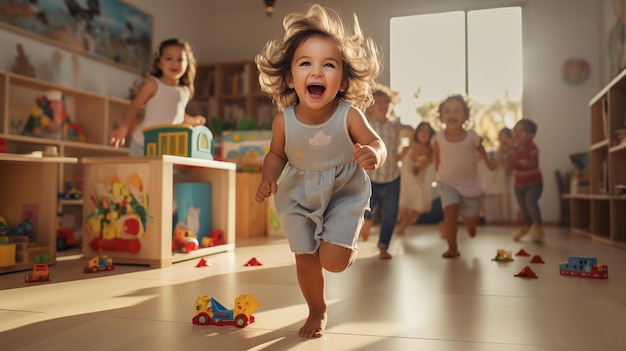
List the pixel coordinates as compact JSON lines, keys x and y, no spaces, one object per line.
{"x":361,"y":57}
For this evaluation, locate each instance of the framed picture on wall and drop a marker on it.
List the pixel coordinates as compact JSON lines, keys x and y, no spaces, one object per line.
{"x":107,"y":30}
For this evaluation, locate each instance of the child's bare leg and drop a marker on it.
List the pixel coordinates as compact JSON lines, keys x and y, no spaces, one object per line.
{"x":365,"y":229}
{"x":450,"y":226}
{"x":401,"y":214}
{"x":409,"y":218}
{"x":311,"y":281}
{"x":471,"y":223}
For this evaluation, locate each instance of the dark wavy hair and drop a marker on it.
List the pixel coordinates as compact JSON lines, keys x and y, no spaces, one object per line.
{"x":190,"y":75}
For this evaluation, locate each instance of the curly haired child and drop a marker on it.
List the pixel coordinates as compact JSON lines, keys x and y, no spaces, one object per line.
{"x":319,"y":76}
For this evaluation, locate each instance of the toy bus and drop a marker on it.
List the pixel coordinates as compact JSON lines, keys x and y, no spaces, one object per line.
{"x":178,"y":140}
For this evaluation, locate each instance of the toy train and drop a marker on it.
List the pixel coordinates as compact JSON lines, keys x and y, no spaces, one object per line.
{"x":586,"y":267}
{"x":178,"y":140}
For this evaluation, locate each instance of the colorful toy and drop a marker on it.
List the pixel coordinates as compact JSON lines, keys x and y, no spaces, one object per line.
{"x":98,"y":264}
{"x":253,"y":262}
{"x":73,"y":189}
{"x":211,"y":312}
{"x":526,"y":272}
{"x":503,"y":256}
{"x":536,"y":259}
{"x":49,"y":119}
{"x":184,"y":240}
{"x":216,"y":238}
{"x":522,"y":252}
{"x":40,"y":273}
{"x":586,"y":267}
{"x":119,"y":220}
{"x":179,"y":140}
{"x":25,"y":229}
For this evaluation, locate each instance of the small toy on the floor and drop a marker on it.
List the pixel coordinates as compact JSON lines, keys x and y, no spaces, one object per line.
{"x":40,"y":273}
{"x":526,"y":272}
{"x":253,"y":262}
{"x":503,"y":256}
{"x":522,"y":252}
{"x":203,"y":263}
{"x":586,"y":267}
{"x":98,"y":264}
{"x":211,"y":312}
{"x":536,"y":259}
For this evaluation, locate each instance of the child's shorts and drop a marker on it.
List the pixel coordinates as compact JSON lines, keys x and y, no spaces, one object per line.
{"x":468,"y":206}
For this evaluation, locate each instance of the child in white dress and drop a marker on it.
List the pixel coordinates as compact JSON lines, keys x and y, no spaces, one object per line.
{"x":415,"y":197}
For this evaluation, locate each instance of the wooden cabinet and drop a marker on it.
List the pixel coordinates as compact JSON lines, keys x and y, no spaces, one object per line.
{"x":231,"y":91}
{"x":251,"y":218}
{"x":602,"y":212}
{"x":131,"y":219}
{"x":28,"y":183}
{"x":96,"y":114}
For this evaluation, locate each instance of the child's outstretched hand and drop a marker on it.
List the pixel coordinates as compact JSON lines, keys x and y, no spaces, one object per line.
{"x":366,"y":157}
{"x":267,"y":188}
{"x":117,"y":137}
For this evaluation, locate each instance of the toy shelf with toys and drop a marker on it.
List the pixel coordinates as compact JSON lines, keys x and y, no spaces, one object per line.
{"x":36,"y":115}
{"x":135,"y":208}
{"x":28,"y":211}
{"x":599,"y":213}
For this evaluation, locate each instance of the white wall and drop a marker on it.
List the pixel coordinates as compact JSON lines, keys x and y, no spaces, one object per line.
{"x":554,"y":31}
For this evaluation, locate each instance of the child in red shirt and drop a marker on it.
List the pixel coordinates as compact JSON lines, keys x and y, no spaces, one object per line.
{"x":528,"y":182}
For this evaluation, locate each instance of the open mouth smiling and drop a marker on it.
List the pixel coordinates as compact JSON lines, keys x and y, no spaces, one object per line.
{"x":315,"y":89}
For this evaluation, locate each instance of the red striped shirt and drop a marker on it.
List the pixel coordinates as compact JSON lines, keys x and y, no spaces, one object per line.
{"x":527,"y":175}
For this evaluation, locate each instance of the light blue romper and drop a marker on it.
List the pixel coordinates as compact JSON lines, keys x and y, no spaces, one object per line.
{"x":322,"y":193}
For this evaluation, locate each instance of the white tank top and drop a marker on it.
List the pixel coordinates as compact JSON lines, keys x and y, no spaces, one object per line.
{"x":458,"y":163}
{"x":167,"y":106}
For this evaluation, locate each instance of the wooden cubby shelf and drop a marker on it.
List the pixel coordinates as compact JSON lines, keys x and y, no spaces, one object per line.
{"x":601,"y":214}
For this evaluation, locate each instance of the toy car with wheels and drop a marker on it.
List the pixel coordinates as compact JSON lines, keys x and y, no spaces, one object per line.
{"x":210,"y":312}
{"x":40,"y":273}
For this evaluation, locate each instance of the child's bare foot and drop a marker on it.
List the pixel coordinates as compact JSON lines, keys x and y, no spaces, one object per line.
{"x":384,"y":255}
{"x":471,"y":232}
{"x":450,"y":254}
{"x":314,"y":326}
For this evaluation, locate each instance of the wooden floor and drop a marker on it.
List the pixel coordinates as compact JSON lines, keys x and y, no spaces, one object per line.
{"x":416,"y":301}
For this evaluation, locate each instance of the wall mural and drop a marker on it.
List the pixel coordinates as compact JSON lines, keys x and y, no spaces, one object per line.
{"x":109,"y":30}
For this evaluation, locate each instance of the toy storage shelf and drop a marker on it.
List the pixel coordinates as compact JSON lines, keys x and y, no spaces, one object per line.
{"x":157,"y":176}
{"x":27,"y":180}
{"x":230,"y":91}
{"x":601,"y":213}
{"x":96,"y":114}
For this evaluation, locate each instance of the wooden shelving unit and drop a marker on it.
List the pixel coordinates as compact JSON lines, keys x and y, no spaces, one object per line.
{"x":158,"y":179}
{"x":96,"y":114}
{"x":601,"y":214}
{"x":230,"y":91}
{"x":26,"y":180}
